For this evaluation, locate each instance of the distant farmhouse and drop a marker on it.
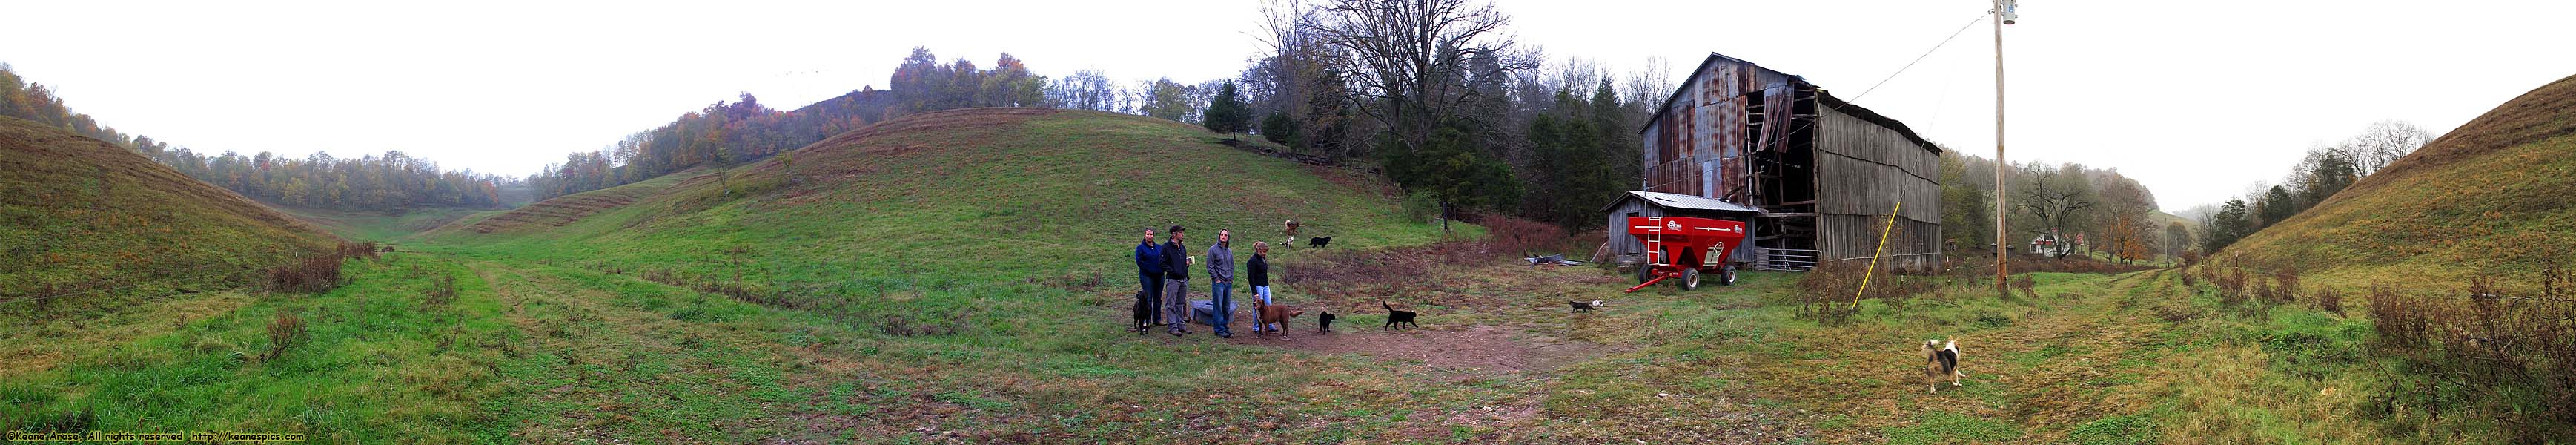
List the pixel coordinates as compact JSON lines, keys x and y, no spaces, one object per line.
{"x":1813,"y":174}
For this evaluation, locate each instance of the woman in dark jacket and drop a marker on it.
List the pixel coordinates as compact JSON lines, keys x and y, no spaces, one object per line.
{"x":1259,"y":271}
{"x":1149,"y":274}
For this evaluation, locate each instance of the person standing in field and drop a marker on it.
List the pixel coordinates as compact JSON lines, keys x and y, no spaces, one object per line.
{"x":1149,"y":274}
{"x":1176,"y":282}
{"x":1220,"y":269}
{"x":1259,"y":271}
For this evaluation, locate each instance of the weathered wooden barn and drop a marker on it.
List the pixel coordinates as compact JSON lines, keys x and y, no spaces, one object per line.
{"x":1823,"y":172}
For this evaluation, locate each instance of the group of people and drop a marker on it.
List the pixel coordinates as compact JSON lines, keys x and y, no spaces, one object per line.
{"x":1163,"y":271}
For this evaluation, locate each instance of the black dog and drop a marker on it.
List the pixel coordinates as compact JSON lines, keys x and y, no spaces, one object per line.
{"x":1580,"y":306}
{"x":1324,"y":324}
{"x":1319,"y":241}
{"x":1144,"y":313}
{"x":1396,"y":319}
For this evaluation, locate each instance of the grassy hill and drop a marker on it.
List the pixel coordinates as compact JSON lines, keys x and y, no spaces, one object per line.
{"x":983,"y":195}
{"x":2494,"y":196}
{"x":87,"y":216}
{"x":103,"y":246}
{"x":2431,"y":241}
{"x":368,"y":225}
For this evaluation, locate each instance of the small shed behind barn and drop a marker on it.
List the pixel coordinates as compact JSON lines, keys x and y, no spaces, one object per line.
{"x":1624,"y":248}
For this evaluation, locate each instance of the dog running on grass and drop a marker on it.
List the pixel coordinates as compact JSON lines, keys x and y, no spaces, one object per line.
{"x":1319,"y":241}
{"x":1941,"y":361}
{"x":1580,"y":305}
{"x":1396,"y":319}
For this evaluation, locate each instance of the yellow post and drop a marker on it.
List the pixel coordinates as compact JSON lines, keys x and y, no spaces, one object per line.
{"x":1873,"y":258}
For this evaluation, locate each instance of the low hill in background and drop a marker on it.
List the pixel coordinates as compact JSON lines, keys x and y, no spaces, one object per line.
{"x":971,"y":197}
{"x":86,"y":215}
{"x":2495,"y":196}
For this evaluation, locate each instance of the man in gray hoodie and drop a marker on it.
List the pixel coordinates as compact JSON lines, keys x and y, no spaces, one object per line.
{"x":1220,"y":269}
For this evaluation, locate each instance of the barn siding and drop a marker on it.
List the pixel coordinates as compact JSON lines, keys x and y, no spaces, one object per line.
{"x":1696,"y":147}
{"x":1866,"y":169}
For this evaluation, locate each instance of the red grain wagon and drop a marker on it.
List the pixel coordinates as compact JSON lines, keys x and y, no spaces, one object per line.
{"x":1684,"y":247}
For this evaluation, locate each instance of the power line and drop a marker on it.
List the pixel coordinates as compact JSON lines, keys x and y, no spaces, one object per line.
{"x":1954,"y":35}
{"x":1811,"y":123}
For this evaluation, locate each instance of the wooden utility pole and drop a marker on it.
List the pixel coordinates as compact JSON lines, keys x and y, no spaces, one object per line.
{"x":2003,"y":15}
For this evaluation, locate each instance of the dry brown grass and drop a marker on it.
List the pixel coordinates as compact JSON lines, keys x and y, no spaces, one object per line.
{"x":1515,"y":235}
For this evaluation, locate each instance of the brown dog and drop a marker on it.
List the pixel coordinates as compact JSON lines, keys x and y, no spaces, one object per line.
{"x":1268,"y":314}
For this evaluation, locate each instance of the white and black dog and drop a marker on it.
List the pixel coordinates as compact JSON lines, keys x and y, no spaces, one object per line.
{"x":1941,"y":361}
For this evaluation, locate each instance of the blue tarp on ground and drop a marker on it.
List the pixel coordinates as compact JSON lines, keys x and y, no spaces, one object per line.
{"x":1201,"y":311}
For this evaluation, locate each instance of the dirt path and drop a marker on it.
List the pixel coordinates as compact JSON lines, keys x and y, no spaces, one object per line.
{"x":2067,"y":360}
{"x":2066,"y":366}
{"x":1481,"y":350}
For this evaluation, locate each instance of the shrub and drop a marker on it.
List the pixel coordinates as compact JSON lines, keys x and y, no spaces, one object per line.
{"x":1420,"y":207}
{"x":311,"y":275}
{"x":2396,"y":318}
{"x":1898,"y":289}
{"x":2285,"y":286}
{"x":2231,"y":287}
{"x":284,"y":331}
{"x":317,"y":274}
{"x":2486,"y":350}
{"x":1825,"y":292}
{"x":2329,"y":299}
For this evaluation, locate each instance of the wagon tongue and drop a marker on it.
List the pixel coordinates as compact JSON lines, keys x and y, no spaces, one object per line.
{"x":1658,"y":279}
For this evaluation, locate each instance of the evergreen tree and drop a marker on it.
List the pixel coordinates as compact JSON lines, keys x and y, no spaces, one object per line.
{"x":2277,"y":205}
{"x":1451,"y":171}
{"x":1280,"y":129}
{"x":1227,"y":113}
{"x":2225,"y":226}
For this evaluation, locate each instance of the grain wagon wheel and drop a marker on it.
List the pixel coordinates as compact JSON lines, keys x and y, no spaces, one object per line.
{"x":1690,"y":278}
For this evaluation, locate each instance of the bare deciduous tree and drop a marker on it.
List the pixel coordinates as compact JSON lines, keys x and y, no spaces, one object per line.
{"x":2383,"y":143}
{"x":1647,"y":88}
{"x":2055,"y":200}
{"x":1412,"y":61}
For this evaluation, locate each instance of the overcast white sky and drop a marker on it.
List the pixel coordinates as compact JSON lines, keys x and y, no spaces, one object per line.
{"x":2196,"y":99}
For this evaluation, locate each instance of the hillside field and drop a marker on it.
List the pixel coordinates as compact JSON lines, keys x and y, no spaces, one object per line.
{"x":963,"y":277}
